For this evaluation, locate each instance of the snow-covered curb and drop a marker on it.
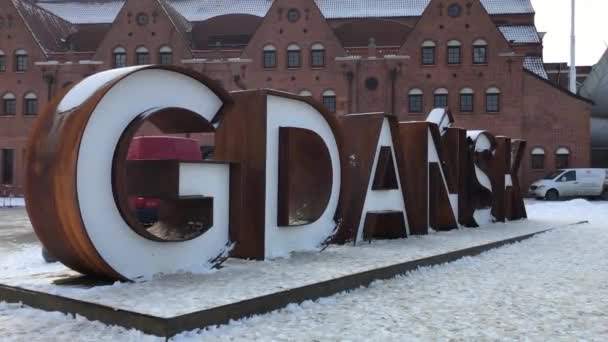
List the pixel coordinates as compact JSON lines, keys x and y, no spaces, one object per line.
{"x":239,"y":280}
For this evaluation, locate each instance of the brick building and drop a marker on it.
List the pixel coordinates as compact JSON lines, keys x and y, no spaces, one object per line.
{"x":482,"y":59}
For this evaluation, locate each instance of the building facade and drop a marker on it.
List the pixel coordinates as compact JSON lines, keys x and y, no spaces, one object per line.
{"x":481,"y":59}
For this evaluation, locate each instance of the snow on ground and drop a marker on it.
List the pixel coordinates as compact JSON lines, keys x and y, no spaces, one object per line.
{"x":552,"y":287}
{"x":12,"y":202}
{"x":179,"y":294}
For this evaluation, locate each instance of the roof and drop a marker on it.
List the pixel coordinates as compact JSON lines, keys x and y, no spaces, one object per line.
{"x":48,"y":29}
{"x":535,"y":65}
{"x":520,"y":34}
{"x":104,"y":11}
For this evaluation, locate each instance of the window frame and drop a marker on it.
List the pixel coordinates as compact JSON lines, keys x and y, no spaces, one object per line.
{"x":441,"y":93}
{"x":9,"y":105}
{"x":294,"y":53}
{"x":7,"y":169}
{"x":3,"y":60}
{"x":30,"y":104}
{"x":21,"y":60}
{"x":163,"y":53}
{"x":418,"y":95}
{"x":428,"y":45}
{"x":142,"y":52}
{"x":451,"y":46}
{"x":480,"y":44}
{"x":119,"y":52}
{"x":316,"y":50}
{"x":537,"y":158}
{"x":559,"y":154}
{"x":268,"y":51}
{"x":491,"y":93}
{"x":330,"y":95}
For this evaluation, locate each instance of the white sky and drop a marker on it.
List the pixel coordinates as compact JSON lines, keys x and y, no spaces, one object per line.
{"x":553,"y":17}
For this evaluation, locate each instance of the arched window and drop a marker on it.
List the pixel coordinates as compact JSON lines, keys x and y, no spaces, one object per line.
{"x":2,"y":61}
{"x":119,"y":57}
{"x":305,"y":92}
{"x":21,"y":60}
{"x":562,"y":158}
{"x":493,"y":100}
{"x":165,"y":55}
{"x":480,"y":52}
{"x":440,"y":98}
{"x":294,"y":55}
{"x":467,"y":96}
{"x":9,"y":104}
{"x":329,"y":100}
{"x":428,"y":52}
{"x":270,"y":56}
{"x":317,"y":55}
{"x":538,"y":158}
{"x":142,"y":56}
{"x":415,"y":100}
{"x":454,"y":52}
{"x":30,"y":104}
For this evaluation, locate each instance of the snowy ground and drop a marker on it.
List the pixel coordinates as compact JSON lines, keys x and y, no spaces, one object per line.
{"x":12,"y":202}
{"x":552,"y":287}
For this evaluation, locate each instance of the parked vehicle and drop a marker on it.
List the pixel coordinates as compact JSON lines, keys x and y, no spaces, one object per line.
{"x":158,"y":148}
{"x":572,"y":183}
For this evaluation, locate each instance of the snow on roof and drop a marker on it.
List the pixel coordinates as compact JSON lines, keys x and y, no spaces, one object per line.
{"x":520,"y":34}
{"x":104,"y":11}
{"x":535,"y":65}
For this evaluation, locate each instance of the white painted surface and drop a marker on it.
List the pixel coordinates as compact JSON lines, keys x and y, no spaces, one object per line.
{"x":125,"y":251}
{"x":280,"y":241}
{"x":383,"y":200}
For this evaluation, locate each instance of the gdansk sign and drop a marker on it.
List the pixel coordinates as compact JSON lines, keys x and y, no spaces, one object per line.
{"x":286,"y":176}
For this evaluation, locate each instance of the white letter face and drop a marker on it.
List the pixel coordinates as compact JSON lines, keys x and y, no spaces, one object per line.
{"x":280,"y":241}
{"x":385,"y":199}
{"x":128,"y":253}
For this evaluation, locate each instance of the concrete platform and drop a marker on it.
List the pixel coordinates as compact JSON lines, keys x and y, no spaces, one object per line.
{"x":172,"y":304}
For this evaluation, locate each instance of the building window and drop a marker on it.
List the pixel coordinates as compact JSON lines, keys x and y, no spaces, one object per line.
{"x":480,"y":52}
{"x":305,"y":92}
{"x":415,"y":101}
{"x":30,"y":104}
{"x":9,"y":104}
{"x":142,"y":19}
{"x":21,"y":60}
{"x":440,"y":98}
{"x":2,"y":61}
{"x":562,"y":158}
{"x":538,"y":158}
{"x":142,"y":56}
{"x":428,"y":53}
{"x":293,"y":15}
{"x":293,"y":56}
{"x":467,"y":100}
{"x":329,"y":100}
{"x":270,"y":57}
{"x":317,"y":56}
{"x":8,"y":166}
{"x":453,"y":52}
{"x":493,"y":100}
{"x":120,"y":57}
{"x":454,"y":10}
{"x":165,"y":55}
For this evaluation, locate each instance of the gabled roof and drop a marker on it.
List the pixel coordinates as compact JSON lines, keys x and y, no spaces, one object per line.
{"x":50,"y":31}
{"x":535,"y":65}
{"x":104,"y":11}
{"x":520,"y":34}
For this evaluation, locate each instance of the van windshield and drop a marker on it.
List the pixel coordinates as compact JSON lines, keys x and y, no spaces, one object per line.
{"x":552,"y":175}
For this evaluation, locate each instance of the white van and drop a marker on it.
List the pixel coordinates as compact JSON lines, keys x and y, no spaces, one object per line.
{"x":572,"y":183}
